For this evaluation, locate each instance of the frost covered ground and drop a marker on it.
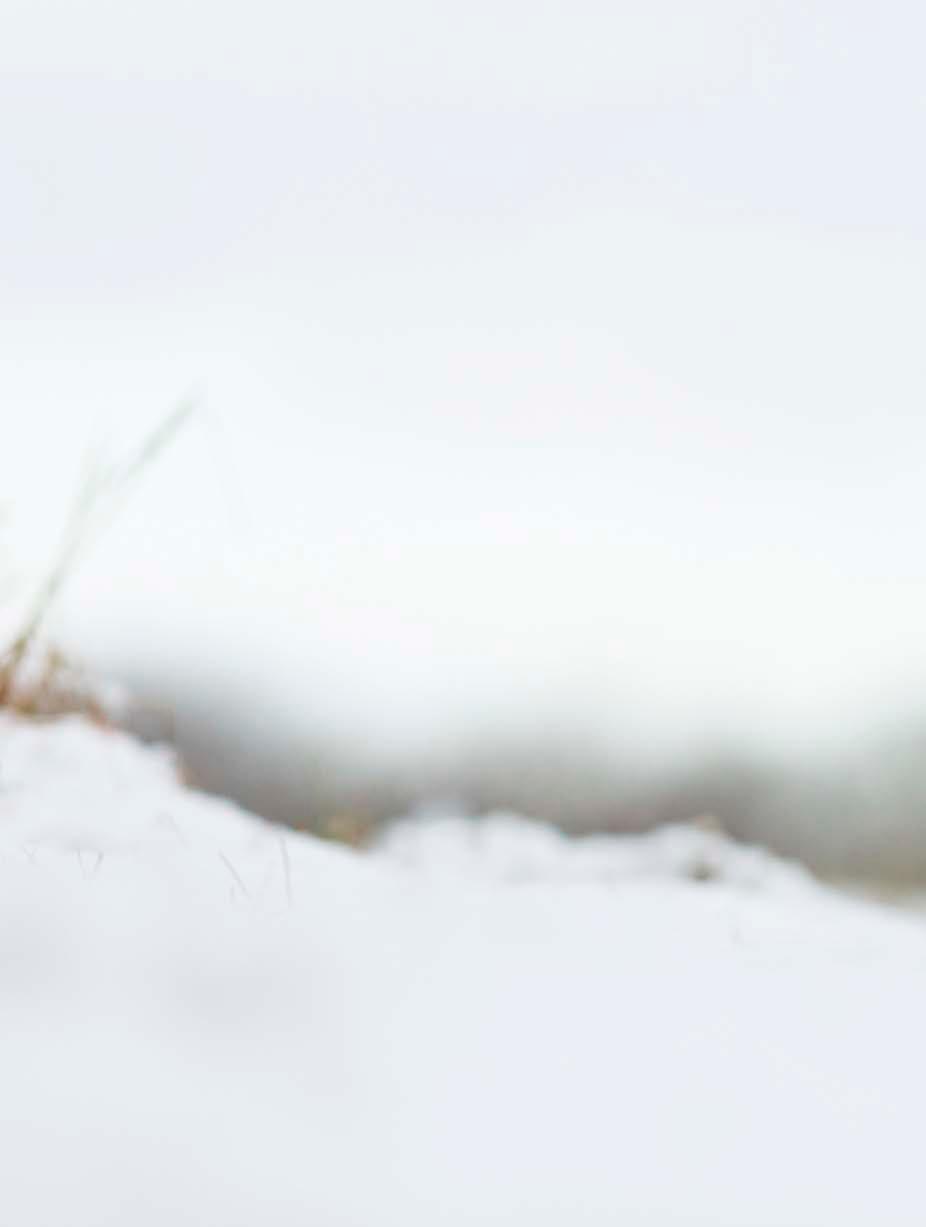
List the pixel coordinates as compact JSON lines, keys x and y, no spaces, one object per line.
{"x":207,"y":1021}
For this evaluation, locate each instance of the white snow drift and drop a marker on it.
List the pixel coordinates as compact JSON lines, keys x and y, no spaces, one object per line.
{"x":207,"y":1021}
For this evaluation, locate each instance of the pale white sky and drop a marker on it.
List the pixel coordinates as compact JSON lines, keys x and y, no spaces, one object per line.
{"x":558,"y":360}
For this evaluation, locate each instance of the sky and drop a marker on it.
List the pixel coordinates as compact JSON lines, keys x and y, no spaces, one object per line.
{"x":559,"y":366}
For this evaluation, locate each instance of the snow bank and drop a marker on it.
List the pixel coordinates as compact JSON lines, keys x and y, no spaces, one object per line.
{"x":207,"y":1021}
{"x":505,"y":847}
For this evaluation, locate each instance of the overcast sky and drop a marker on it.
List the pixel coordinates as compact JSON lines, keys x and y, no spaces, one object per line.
{"x":558,"y":362}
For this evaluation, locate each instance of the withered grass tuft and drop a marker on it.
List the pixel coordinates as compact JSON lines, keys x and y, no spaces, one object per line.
{"x":35,"y":678}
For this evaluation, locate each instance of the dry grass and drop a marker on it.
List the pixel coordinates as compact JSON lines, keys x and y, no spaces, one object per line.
{"x":44,"y":684}
{"x":36,"y":679}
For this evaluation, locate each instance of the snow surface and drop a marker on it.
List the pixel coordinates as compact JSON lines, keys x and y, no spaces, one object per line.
{"x":508,"y":848}
{"x":208,"y":1021}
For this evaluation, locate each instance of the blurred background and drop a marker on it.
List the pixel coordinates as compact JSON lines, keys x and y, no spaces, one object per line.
{"x":560,"y":385}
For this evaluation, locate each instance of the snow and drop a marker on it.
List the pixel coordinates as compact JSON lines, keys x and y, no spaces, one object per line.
{"x":206,"y":1020}
{"x":509,"y":848}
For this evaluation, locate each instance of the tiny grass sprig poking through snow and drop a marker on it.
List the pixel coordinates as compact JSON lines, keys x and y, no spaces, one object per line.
{"x":38,"y":682}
